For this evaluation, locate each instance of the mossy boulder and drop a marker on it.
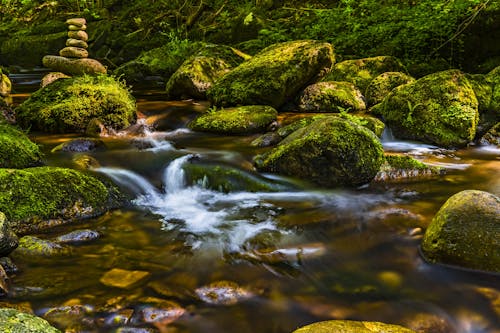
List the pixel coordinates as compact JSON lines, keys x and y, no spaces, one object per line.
{"x":159,"y":62}
{"x":8,"y":239}
{"x":489,"y":113}
{"x":361,"y":72}
{"x":331,"y":97}
{"x":274,"y":75}
{"x":14,"y":321}
{"x":225,"y":178}
{"x":68,"y":105}
{"x":492,"y":137}
{"x":16,"y":149}
{"x":198,"y":73}
{"x":398,"y":168}
{"x":465,"y":232}
{"x":34,"y":247}
{"x":349,"y":326}
{"x":383,"y":84}
{"x":329,"y":152}
{"x":440,"y":108}
{"x":37,"y":198}
{"x":5,"y":84}
{"x":236,"y":120}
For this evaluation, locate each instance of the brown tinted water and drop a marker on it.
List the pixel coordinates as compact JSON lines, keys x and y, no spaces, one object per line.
{"x":299,"y":255}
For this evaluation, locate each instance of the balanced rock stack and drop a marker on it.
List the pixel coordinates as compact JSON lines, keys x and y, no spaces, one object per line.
{"x":73,"y":59}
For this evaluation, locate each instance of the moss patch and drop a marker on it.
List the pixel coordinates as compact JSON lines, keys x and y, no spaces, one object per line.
{"x":465,"y":232}
{"x":328,"y":152}
{"x":349,"y":326}
{"x":440,"y":108}
{"x":274,"y":75}
{"x":16,"y":149}
{"x":68,"y":105}
{"x":331,"y":97}
{"x":31,"y":196}
{"x":383,"y":84}
{"x":14,"y":321}
{"x":237,"y":120}
{"x":405,"y":168}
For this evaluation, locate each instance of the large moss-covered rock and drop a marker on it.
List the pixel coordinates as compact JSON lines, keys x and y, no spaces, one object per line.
{"x":198,"y":73}
{"x":37,"y":198}
{"x":8,"y":239}
{"x":68,"y":105}
{"x":362,"y":71}
{"x":235,"y":120}
{"x":329,"y":152}
{"x":466,"y":232}
{"x":331,"y":97}
{"x":14,"y":321}
{"x":383,"y":84}
{"x":440,"y":108}
{"x":16,"y":149}
{"x":492,"y":137}
{"x":34,"y":247}
{"x":274,"y":75}
{"x":349,"y":326}
{"x":489,"y":113}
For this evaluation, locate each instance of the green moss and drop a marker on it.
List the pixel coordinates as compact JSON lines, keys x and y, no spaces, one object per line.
{"x":30,"y":246}
{"x":198,"y":73}
{"x":5,"y":84}
{"x":31,"y":196}
{"x":329,"y":152}
{"x":405,"y":168}
{"x":226,"y":179}
{"x":348,"y":326}
{"x":465,"y":232}
{"x":237,"y":120}
{"x":383,"y":84}
{"x":361,"y":72}
{"x":14,"y":321}
{"x":331,"y":97}
{"x":274,"y":75}
{"x":68,"y":105}
{"x":440,"y":108}
{"x":16,"y":149}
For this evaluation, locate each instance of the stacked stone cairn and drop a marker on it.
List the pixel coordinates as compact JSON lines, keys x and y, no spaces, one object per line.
{"x":73,"y":59}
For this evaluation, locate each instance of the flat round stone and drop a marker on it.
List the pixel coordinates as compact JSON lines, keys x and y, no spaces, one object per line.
{"x":76,"y":43}
{"x":78,"y":21}
{"x":74,"y":52}
{"x":80,"y":34}
{"x":75,"y":27}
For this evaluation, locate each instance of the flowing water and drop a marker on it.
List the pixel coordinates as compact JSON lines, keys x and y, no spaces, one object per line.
{"x":300,"y":254}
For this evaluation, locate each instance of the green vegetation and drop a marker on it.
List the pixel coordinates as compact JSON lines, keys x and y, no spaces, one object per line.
{"x":16,"y":149}
{"x":349,"y":326}
{"x":68,"y":105}
{"x":14,"y":321}
{"x":28,"y":197}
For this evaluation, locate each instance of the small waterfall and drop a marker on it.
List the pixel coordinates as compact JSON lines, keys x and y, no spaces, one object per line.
{"x":173,"y":177}
{"x":132,"y":181}
{"x":387,"y":135}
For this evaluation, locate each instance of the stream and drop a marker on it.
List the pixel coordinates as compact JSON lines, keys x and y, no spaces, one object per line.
{"x":298,"y":255}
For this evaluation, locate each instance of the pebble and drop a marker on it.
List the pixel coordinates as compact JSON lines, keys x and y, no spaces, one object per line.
{"x":79,"y":21}
{"x":75,"y":27}
{"x":80,"y":34}
{"x":121,"y":278}
{"x":73,"y":52}
{"x":76,"y":43}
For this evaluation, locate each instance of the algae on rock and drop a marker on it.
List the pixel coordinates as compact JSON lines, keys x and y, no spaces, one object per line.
{"x":350,"y":326}
{"x":383,"y":84}
{"x":14,"y":321}
{"x":68,"y":105}
{"x":37,"y":198}
{"x":274,"y":75}
{"x":331,"y":96}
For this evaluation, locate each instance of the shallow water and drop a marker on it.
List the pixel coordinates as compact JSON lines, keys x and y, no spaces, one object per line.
{"x":302,"y":254}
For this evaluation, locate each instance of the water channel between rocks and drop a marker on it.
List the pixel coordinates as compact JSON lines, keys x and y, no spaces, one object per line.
{"x":298,"y":255}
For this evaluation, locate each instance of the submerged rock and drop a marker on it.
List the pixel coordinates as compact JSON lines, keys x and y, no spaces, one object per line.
{"x":440,"y":108}
{"x":361,"y":72}
{"x":198,"y":73}
{"x":331,"y":96}
{"x":157,"y":311}
{"x":69,"y":105}
{"x":125,"y":279}
{"x":80,"y":145}
{"x":14,"y":321}
{"x":349,"y":326}
{"x":329,"y":152}
{"x":465,"y":232}
{"x":16,"y":149}
{"x":30,"y":246}
{"x":8,"y":239}
{"x":274,"y":75}
{"x":236,"y":120}
{"x":223,"y":293}
{"x":78,"y":237}
{"x":38,"y":198}
{"x":383,"y":84}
